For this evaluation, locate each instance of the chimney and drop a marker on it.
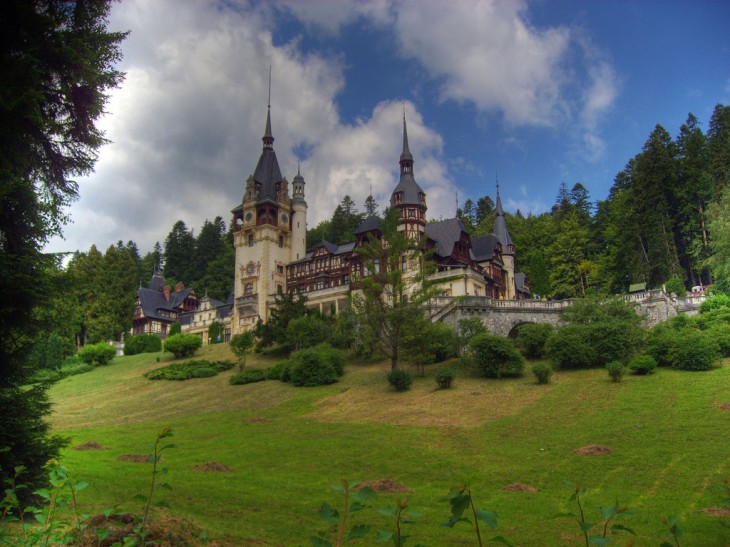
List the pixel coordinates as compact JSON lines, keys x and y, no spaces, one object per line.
{"x":166,"y":290}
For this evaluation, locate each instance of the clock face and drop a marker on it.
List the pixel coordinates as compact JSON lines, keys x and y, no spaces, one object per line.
{"x":284,"y":218}
{"x":249,"y":216}
{"x":250,"y":268}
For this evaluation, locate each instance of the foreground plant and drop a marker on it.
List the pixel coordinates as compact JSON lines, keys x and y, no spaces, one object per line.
{"x":155,"y":458}
{"x":460,"y":499}
{"x":608,"y":514}
{"x":402,"y":515}
{"x":350,"y":493}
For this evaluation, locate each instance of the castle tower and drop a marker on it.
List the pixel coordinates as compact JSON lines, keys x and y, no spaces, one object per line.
{"x":408,"y":196}
{"x":508,"y":248}
{"x":269,"y":230}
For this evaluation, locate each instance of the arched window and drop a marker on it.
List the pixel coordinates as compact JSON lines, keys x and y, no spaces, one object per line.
{"x":248,"y":289}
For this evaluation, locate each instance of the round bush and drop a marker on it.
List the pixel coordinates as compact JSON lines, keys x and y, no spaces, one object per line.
{"x":400,"y":379}
{"x":311,"y":369}
{"x":444,"y":377}
{"x":694,"y":350}
{"x":616,"y":371}
{"x":720,"y":333}
{"x":496,"y":356}
{"x":642,"y":364}
{"x":142,"y":343}
{"x":715,"y":302}
{"x":97,"y":354}
{"x":542,"y":373}
{"x":183,"y":345}
{"x":334,"y":357}
{"x":569,"y":347}
{"x":280,"y":371}
{"x":531,"y":338}
{"x":659,"y":344}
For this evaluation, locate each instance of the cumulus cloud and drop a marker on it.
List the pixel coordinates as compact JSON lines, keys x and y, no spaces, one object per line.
{"x":187,"y":124}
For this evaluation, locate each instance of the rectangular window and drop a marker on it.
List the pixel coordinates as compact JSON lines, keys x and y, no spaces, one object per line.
{"x":279,"y":269}
{"x":281,"y":241}
{"x":250,"y":240}
{"x":404,"y":263}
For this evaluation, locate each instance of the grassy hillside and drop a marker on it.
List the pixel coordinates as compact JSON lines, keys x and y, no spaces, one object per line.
{"x":285,"y":446}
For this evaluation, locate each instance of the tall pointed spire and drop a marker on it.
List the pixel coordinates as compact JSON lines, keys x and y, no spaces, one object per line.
{"x":406,"y":158}
{"x":500,"y":226}
{"x":268,"y":137}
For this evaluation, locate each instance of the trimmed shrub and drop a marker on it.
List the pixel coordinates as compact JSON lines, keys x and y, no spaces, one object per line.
{"x":659,"y":344}
{"x":694,"y":350}
{"x":720,"y":334}
{"x":531,"y":338}
{"x":311,"y":369}
{"x":189,"y":369}
{"x":614,"y":340}
{"x":142,"y":343}
{"x":568,"y":347}
{"x":97,"y":354}
{"x":642,"y":364}
{"x":400,"y":379}
{"x":334,"y":357}
{"x":183,"y":345}
{"x":496,"y":356}
{"x":249,"y":376}
{"x":715,"y":302}
{"x":280,"y":371}
{"x":444,"y":377}
{"x":76,"y":368}
{"x":306,"y":331}
{"x":175,"y":328}
{"x":542,"y":373}
{"x":676,"y":286}
{"x":616,"y":371}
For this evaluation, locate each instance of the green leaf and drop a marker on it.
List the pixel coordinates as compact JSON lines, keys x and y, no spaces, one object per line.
{"x":500,"y":539}
{"x":488,"y":517}
{"x":383,"y":536}
{"x":79,"y":486}
{"x":165,"y":486}
{"x":162,"y":503}
{"x":317,"y":541}
{"x":329,"y":514}
{"x":357,"y":506}
{"x":358,"y":531}
{"x":44,"y":493}
{"x":608,"y":512}
{"x":364,"y":494}
{"x":585,"y":526}
{"x":388,"y":511}
{"x":624,"y":528}
{"x":459,"y":504}
{"x":203,"y":538}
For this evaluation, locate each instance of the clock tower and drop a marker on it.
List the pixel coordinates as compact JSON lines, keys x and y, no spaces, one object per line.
{"x":269,"y":231}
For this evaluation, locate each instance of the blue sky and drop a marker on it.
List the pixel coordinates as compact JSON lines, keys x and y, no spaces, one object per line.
{"x":539,"y":93}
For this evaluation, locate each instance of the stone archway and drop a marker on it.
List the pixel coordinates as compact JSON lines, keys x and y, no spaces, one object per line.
{"x":512,"y":334}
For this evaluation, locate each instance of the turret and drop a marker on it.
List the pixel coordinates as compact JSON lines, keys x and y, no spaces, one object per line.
{"x":408,"y":195}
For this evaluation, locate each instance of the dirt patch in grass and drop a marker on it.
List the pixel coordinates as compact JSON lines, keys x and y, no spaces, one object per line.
{"x":716,"y":511}
{"x":213,"y":466}
{"x":519,"y":487}
{"x":163,"y":530}
{"x":91,"y":445}
{"x":134,"y":458}
{"x":725,"y":407}
{"x":385,"y":486}
{"x":593,"y":450}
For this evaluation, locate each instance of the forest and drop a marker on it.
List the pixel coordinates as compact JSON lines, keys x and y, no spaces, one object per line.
{"x":665,"y":221}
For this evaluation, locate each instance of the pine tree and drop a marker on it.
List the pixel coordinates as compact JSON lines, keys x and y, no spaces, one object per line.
{"x":179,"y":254}
{"x":718,"y":147}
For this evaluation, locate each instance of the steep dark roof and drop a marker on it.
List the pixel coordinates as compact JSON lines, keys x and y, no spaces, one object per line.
{"x":153,"y":302}
{"x":520,"y":282}
{"x":157,"y":283}
{"x":445,"y":234}
{"x":500,"y":225}
{"x":267,"y":173}
{"x":368,"y":225}
{"x":483,"y":247}
{"x":407,"y":184}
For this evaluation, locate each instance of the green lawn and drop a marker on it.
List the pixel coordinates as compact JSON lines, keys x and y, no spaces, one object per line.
{"x":668,"y":434}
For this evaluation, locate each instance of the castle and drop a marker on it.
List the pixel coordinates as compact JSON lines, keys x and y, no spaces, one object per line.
{"x":270,"y":231}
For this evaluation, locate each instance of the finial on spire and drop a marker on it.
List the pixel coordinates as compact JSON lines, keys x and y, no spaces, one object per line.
{"x":269,"y":105}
